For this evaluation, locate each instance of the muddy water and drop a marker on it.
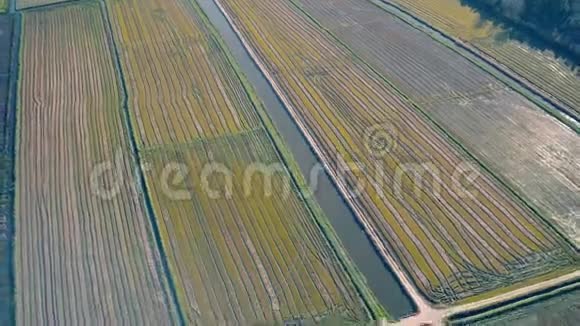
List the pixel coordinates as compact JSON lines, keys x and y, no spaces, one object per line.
{"x":379,"y":277}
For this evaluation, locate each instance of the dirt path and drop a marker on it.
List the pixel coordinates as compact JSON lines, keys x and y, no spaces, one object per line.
{"x":432,"y":316}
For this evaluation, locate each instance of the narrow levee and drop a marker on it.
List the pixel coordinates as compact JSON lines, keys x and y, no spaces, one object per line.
{"x":554,"y":304}
{"x":379,"y":276}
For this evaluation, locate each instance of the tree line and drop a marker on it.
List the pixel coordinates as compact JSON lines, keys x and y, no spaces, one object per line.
{"x":555,"y":21}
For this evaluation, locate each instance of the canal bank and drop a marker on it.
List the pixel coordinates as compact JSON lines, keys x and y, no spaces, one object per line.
{"x":380,"y":278}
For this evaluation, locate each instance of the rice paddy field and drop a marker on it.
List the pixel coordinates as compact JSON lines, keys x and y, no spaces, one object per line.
{"x":84,"y":248}
{"x":480,"y":112}
{"x":152,"y":188}
{"x":247,"y":258}
{"x":540,"y":68}
{"x":239,"y":254}
{"x":454,"y":248}
{"x":167,"y":61}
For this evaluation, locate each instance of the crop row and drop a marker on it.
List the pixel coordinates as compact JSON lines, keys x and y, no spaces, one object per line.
{"x":84,"y":244}
{"x":541,"y":68}
{"x":244,"y":246}
{"x":417,"y":64}
{"x":183,"y":92}
{"x":465,"y":100}
{"x":238,"y":255}
{"x":453,"y":246}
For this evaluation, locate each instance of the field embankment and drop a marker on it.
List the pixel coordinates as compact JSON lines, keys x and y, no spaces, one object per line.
{"x":28,"y":4}
{"x":84,"y":246}
{"x":557,"y":305}
{"x":454,"y":246}
{"x":526,"y":146}
{"x":241,"y":252}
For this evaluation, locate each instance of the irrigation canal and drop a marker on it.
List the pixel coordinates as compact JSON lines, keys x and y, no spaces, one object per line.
{"x":9,"y":46}
{"x":379,"y":276}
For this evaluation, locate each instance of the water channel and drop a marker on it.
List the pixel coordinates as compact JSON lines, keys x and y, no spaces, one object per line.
{"x":379,"y":276}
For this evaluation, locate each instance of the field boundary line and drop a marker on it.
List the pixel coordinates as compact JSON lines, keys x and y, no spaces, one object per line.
{"x":173,"y":297}
{"x":500,"y":72}
{"x":17,"y":140}
{"x":513,"y":304}
{"x":500,"y":302}
{"x":48,"y":6}
{"x":374,"y":308}
{"x":462,"y":149}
